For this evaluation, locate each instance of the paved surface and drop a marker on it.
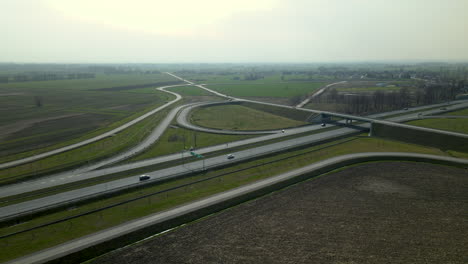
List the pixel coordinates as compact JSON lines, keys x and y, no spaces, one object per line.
{"x":317,"y":93}
{"x":121,"y":230}
{"x":97,"y":138}
{"x":172,"y":172}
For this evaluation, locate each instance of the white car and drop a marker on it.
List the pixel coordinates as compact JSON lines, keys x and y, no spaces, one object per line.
{"x":230,"y":156}
{"x":323,"y":124}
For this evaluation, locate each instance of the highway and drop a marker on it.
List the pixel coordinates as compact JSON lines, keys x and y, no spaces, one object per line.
{"x":36,"y":205}
{"x":89,"y":241}
{"x":163,"y":174}
{"x":176,"y":171}
{"x":86,"y":174}
{"x":97,"y":138}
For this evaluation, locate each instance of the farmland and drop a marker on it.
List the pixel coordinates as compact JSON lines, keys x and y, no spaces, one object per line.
{"x":268,"y":90}
{"x":45,"y":113}
{"x":385,"y":212}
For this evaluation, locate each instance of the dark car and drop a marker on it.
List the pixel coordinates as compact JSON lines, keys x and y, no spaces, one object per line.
{"x":144,"y":177}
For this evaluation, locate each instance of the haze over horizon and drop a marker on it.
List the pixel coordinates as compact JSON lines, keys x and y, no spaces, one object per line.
{"x":214,"y":31}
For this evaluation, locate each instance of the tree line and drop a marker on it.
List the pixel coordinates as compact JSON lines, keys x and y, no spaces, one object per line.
{"x":45,"y":77}
{"x":380,"y":101}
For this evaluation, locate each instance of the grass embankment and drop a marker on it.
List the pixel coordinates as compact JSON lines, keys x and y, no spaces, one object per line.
{"x":25,"y":243}
{"x":237,"y":117}
{"x":268,"y":90}
{"x":459,"y":125}
{"x":463,"y":112}
{"x":86,"y":154}
{"x":70,"y":109}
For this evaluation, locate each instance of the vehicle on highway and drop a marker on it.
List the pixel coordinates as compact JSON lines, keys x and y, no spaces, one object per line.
{"x":144,"y":177}
{"x":230,"y":156}
{"x":282,"y":130}
{"x":323,"y":124}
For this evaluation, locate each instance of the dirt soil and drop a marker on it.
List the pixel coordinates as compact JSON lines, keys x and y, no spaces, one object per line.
{"x":387,"y":212}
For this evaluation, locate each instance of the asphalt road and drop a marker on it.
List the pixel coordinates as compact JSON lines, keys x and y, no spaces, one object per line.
{"x":172,"y":172}
{"x":129,"y":227}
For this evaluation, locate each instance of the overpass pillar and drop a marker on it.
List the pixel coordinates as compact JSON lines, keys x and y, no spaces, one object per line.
{"x":371,"y":129}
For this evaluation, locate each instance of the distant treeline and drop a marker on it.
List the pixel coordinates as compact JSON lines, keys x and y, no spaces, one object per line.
{"x":45,"y":77}
{"x":379,"y":101}
{"x":138,"y":86}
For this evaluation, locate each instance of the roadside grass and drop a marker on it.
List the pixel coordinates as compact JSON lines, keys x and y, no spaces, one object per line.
{"x":69,"y":99}
{"x":238,"y":117}
{"x":86,"y":154}
{"x":459,"y":125}
{"x":463,"y":112}
{"x":270,"y":90}
{"x":228,"y":178}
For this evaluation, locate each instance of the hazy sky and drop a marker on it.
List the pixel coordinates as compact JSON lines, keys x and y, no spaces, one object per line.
{"x":159,"y":31}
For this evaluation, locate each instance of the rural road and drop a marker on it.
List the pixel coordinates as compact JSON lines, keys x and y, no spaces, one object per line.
{"x":317,"y":93}
{"x":166,"y":216}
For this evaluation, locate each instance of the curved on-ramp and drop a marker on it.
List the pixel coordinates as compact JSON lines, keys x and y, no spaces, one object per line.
{"x":183,"y":116}
{"x":99,"y":242}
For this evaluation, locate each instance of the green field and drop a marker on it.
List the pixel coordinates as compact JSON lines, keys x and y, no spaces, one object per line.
{"x":367,"y":89}
{"x":455,"y":125}
{"x":70,"y":109}
{"x":237,"y":117}
{"x":463,"y":112}
{"x":44,"y":237}
{"x":268,"y":90}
